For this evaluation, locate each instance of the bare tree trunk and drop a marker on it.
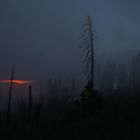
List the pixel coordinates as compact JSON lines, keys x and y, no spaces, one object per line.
{"x":30,"y":104}
{"x":92,"y":50}
{"x":39,"y":107}
{"x":10,"y":96}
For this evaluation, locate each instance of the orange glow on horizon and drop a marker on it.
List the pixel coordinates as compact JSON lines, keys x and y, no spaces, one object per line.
{"x":20,"y":82}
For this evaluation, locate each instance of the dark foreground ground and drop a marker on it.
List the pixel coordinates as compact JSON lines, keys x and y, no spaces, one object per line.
{"x":118,"y":119}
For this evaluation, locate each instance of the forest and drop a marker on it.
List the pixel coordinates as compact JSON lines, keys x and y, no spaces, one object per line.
{"x":106,"y":107}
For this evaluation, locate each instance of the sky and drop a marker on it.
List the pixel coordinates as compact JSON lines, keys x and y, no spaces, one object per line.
{"x":41,"y":37}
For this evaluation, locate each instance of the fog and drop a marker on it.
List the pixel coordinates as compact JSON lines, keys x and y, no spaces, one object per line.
{"x":41,"y":38}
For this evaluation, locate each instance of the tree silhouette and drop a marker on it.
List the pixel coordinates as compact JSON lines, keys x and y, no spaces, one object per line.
{"x":87,"y":46}
{"x":108,"y":77}
{"x":90,"y":98}
{"x":121,"y":78}
{"x":30,"y":103}
{"x":134,"y":76}
{"x":10,"y":95}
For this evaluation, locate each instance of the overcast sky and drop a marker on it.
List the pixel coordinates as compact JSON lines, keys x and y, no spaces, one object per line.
{"x":41,"y":37}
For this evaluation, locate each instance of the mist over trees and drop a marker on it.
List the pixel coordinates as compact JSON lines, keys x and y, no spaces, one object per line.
{"x":107,"y":98}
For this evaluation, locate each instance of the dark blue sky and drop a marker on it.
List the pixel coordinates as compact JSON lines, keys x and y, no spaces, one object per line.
{"x":41,"y":37}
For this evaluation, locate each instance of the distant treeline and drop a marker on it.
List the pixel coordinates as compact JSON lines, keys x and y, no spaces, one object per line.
{"x":119,"y":78}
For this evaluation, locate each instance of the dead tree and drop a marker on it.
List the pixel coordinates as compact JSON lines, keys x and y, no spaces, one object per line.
{"x":10,"y":96}
{"x":30,"y":104}
{"x":87,"y":46}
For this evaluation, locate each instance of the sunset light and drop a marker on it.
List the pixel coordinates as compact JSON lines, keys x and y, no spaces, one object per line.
{"x":21,"y":82}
